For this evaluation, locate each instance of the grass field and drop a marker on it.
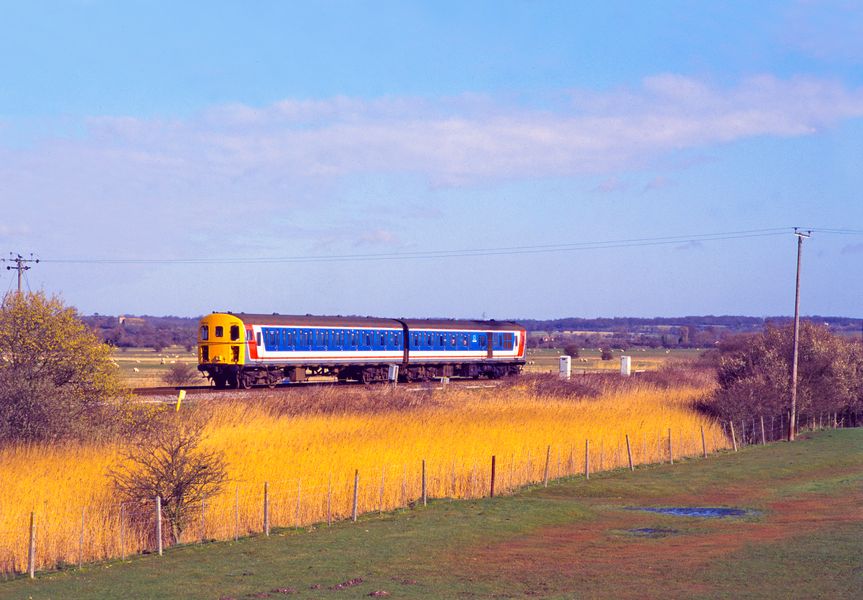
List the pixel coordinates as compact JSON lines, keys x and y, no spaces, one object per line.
{"x":541,"y":360}
{"x":308,"y":443}
{"x":144,"y":367}
{"x":802,"y":538}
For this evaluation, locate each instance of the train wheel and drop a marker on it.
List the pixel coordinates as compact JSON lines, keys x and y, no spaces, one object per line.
{"x":243,"y":382}
{"x":220,"y":382}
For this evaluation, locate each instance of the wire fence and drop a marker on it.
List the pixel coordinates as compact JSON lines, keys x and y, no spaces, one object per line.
{"x":108,"y":530}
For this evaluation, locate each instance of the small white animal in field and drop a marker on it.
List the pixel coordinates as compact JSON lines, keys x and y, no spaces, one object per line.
{"x":136,"y":369}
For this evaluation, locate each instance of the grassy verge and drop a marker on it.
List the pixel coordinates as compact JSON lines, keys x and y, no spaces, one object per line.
{"x":802,"y":539}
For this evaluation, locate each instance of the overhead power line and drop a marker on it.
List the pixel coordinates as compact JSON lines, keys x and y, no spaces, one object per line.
{"x":432,"y":254}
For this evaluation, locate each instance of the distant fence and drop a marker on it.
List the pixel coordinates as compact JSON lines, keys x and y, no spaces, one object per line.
{"x":118,"y":530}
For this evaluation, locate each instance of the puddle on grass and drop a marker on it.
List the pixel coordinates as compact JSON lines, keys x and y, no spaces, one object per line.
{"x":651,"y":532}
{"x":702,"y":512}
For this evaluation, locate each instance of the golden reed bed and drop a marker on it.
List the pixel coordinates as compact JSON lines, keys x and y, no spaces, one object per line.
{"x":308,"y":445}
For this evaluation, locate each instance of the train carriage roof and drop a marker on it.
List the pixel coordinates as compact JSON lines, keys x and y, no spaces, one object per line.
{"x":317,"y":321}
{"x":462,"y":324}
{"x":356,"y":321}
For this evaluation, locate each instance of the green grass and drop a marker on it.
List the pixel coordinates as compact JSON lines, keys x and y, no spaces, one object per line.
{"x":569,"y":540}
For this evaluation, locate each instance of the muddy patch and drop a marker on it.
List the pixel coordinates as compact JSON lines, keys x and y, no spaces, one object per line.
{"x":701,"y":512}
{"x":651,"y":532}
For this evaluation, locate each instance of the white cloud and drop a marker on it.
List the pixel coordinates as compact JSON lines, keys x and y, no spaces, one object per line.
{"x":473,"y":139}
{"x":216,"y":172}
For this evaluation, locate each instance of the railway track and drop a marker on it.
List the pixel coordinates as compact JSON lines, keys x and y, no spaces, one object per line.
{"x":209,"y":389}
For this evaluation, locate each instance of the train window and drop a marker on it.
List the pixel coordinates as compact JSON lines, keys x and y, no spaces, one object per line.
{"x":235,"y":333}
{"x":220,"y":331}
{"x":368,"y":341}
{"x":507,"y":341}
{"x":258,"y":336}
{"x":205,"y":332}
{"x":383,"y":339}
{"x":464,"y":340}
{"x":482,"y":341}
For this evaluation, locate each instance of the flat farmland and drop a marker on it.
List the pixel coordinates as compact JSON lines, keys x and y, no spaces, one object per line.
{"x":800,"y":535}
{"x":144,"y":367}
{"x":541,"y":360}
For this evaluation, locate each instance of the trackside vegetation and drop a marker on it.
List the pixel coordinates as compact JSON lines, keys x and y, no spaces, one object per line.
{"x":801,"y":539}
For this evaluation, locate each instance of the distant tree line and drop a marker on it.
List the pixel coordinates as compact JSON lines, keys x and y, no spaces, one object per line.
{"x":622,"y":333}
{"x":145,"y":332}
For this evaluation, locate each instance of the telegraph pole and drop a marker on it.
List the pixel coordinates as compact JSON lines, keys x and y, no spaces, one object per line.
{"x":792,"y":422}
{"x":20,"y":265}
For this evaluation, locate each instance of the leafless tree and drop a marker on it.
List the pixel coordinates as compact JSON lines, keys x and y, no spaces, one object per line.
{"x":168,"y":462}
{"x":181,"y":373}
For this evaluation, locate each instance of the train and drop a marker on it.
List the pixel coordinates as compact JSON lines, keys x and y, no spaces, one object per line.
{"x":240,"y":350}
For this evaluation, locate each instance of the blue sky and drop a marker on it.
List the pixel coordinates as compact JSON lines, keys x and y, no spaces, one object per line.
{"x":155,"y":131}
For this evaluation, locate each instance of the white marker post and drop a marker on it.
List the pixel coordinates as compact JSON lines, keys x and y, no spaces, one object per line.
{"x":565,"y":367}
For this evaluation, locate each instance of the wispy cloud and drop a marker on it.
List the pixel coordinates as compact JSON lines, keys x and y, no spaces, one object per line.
{"x":610,"y":185}
{"x":217,"y":172}
{"x":826,"y":29}
{"x":657,"y":183}
{"x":852,"y":249}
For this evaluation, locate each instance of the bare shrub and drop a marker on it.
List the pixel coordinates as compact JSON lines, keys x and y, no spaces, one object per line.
{"x":571,"y":350}
{"x":168,"y":462}
{"x":755,"y":377}
{"x":181,"y":373}
{"x":552,"y":386}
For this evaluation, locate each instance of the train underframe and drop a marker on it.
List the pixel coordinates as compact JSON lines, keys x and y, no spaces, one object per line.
{"x":244,"y":377}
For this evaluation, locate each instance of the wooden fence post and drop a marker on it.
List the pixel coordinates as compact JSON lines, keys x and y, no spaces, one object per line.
{"x":425,"y":493}
{"x":122,"y":534}
{"x":491,"y":491}
{"x":629,"y":453}
{"x":356,"y":497}
{"x":670,"y":448}
{"x":587,"y":459}
{"x":545,"y":471}
{"x":381,"y":496}
{"x":81,"y":540}
{"x":267,"y":508}
{"x":237,"y":514}
{"x":299,"y":492}
{"x":31,"y":549}
{"x":733,"y":437}
{"x":763,"y":435}
{"x":703,"y":443}
{"x":330,"y":501}
{"x":159,"y":524}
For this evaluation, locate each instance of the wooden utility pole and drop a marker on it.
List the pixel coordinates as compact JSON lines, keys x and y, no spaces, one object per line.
{"x":792,"y":422}
{"x":20,"y":265}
